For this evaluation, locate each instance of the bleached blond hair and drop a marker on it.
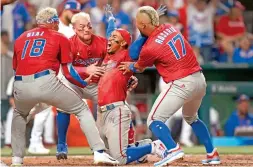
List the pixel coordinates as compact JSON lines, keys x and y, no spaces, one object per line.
{"x":80,"y":15}
{"x":45,"y":14}
{"x":152,"y":14}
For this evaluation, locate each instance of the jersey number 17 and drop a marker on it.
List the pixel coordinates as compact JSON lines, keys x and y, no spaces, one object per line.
{"x":36,"y":49}
{"x":173,"y":47}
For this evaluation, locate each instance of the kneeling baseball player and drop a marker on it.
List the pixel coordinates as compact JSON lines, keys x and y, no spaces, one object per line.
{"x":114,"y":116}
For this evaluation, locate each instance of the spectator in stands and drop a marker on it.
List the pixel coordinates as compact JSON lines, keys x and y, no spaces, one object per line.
{"x":240,"y":117}
{"x":244,"y":53}
{"x":122,"y":19}
{"x":173,"y":18}
{"x":96,"y":15}
{"x":16,"y":19}
{"x":231,"y":28}
{"x":200,"y":27}
{"x":6,"y":72}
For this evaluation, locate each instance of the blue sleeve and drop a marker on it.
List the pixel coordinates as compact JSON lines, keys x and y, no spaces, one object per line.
{"x":125,"y":19}
{"x":230,"y":125}
{"x":26,"y":15}
{"x":75,"y":75}
{"x":135,"y":47}
{"x":111,"y":27}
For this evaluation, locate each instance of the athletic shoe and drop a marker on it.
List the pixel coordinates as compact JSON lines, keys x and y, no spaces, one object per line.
{"x":170,"y":156}
{"x":212,"y":158}
{"x":104,"y":159}
{"x":143,"y":159}
{"x":159,"y":149}
{"x":38,"y":149}
{"x":62,"y":151}
{"x":17,"y":161}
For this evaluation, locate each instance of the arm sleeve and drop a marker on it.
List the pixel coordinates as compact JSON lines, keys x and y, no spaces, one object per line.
{"x":65,"y":50}
{"x":111,"y":27}
{"x":72,"y":75}
{"x":146,"y":59}
{"x":135,"y":47}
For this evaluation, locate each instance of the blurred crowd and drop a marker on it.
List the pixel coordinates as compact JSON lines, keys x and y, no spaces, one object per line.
{"x":215,"y":28}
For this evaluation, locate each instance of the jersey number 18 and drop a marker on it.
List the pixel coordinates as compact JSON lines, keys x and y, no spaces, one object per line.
{"x":36,"y":49}
{"x":172,"y":42}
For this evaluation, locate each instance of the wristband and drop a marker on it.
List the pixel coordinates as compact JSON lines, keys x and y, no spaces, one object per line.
{"x":132,"y":68}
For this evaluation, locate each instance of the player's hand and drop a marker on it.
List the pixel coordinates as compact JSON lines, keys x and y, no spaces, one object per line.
{"x":95,"y":70}
{"x":161,"y":10}
{"x":89,"y":79}
{"x":124,"y":66}
{"x":132,"y":83}
{"x":108,"y":12}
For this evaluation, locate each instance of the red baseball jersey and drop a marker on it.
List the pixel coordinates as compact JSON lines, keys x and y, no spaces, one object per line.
{"x":40,"y":49}
{"x":230,"y":27}
{"x":113,"y":81}
{"x":85,"y":55}
{"x":168,"y":50}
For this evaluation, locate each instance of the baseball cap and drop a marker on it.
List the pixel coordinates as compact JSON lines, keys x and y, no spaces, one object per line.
{"x":242,"y":97}
{"x":126,"y":35}
{"x":239,"y":5}
{"x":72,"y":5}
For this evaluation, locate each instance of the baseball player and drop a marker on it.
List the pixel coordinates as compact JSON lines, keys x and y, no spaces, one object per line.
{"x":45,"y":117}
{"x":176,"y":63}
{"x":38,"y":54}
{"x":114,"y":116}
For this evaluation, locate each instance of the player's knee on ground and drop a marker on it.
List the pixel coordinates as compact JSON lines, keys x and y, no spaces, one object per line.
{"x":190,"y":119}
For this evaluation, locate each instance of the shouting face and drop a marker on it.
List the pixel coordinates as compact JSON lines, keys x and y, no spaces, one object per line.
{"x":115,"y":42}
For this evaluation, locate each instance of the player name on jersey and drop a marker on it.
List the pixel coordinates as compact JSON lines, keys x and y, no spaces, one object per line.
{"x":35,"y":34}
{"x":163,"y":35}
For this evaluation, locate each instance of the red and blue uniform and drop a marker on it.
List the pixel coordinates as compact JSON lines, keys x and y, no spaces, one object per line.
{"x":172,"y":55}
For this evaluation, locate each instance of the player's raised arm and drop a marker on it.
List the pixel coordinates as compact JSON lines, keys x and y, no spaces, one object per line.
{"x":111,"y":20}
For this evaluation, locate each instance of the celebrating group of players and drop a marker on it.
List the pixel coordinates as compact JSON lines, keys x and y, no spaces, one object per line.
{"x":102,"y":69}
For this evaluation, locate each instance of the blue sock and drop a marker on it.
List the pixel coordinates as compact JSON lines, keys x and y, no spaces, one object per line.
{"x":134,"y":153}
{"x":63,"y":120}
{"x":162,"y":132}
{"x":203,"y":135}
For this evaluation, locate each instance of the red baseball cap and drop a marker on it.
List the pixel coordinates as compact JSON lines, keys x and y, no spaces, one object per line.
{"x":126,"y":35}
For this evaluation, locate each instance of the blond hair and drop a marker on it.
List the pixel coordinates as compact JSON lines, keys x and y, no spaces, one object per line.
{"x":151,"y":13}
{"x":45,"y":14}
{"x":80,"y":15}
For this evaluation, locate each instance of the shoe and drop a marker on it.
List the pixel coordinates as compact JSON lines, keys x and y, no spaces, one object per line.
{"x":38,"y":149}
{"x":159,"y":149}
{"x":212,"y":158}
{"x":17,"y":161}
{"x":104,"y":159}
{"x":170,"y":156}
{"x":62,"y":151}
{"x":143,"y":159}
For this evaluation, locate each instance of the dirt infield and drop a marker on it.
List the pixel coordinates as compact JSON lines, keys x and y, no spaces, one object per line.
{"x":189,"y":160}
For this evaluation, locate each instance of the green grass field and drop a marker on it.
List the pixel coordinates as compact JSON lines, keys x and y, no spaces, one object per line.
{"x":193,"y":150}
